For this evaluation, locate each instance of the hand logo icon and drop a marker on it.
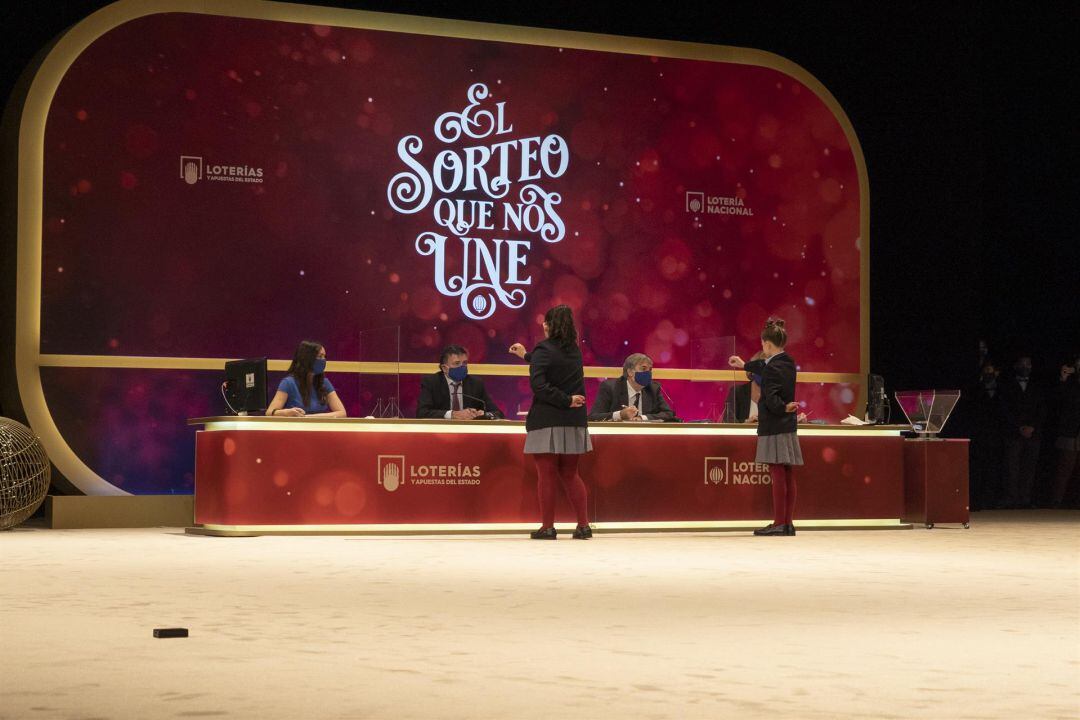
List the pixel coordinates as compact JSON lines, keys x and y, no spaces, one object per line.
{"x":191,"y":169}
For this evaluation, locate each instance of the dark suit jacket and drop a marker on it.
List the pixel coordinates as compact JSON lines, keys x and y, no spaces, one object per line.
{"x":777,"y":390}
{"x":1023,"y":407}
{"x":737,"y":406}
{"x":555,"y":373}
{"x":613,"y":395}
{"x":983,"y":414}
{"x":435,"y":396}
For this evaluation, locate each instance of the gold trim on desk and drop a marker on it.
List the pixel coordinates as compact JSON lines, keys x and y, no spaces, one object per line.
{"x":144,"y":362}
{"x":516,"y":427}
{"x":55,"y":64}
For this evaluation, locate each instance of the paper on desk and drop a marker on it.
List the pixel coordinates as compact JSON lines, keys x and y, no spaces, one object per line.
{"x":852,"y":420}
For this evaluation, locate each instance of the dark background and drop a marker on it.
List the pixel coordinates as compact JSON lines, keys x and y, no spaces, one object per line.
{"x":963,"y":112}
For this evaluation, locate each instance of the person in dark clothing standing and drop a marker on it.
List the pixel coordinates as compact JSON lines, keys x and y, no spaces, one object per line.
{"x":984,"y":412}
{"x":778,"y":442}
{"x":1067,"y":443}
{"x":1025,"y":413}
{"x":557,"y":432}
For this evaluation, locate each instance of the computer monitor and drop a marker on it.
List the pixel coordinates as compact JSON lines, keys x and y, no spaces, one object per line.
{"x":245,"y":386}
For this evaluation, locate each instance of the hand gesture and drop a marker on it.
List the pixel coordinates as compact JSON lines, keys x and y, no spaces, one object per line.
{"x":801,"y":418}
{"x":466,"y":414}
{"x":290,"y":412}
{"x":518,"y":349}
{"x":791,"y":407}
{"x":629,"y":413}
{"x":577,"y":401}
{"x":1066,"y":371}
{"x":736,"y":362}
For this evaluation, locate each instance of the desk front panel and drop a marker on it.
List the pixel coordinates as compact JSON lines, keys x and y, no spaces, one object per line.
{"x":328,"y":477}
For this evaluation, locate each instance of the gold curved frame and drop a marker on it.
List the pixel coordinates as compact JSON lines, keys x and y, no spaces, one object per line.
{"x":28,"y":358}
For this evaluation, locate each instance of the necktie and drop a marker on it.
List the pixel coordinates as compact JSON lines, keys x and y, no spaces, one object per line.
{"x":455,"y":403}
{"x":637,"y":401}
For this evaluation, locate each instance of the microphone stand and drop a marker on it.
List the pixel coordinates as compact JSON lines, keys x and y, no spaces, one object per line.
{"x":483,"y":406}
{"x":671,"y":404}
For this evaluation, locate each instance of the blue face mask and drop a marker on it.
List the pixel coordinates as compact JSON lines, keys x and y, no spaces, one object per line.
{"x":459,"y":373}
{"x":319,"y":367}
{"x":643,"y":378}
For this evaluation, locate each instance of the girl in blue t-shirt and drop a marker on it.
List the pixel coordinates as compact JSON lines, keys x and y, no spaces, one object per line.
{"x":305,"y":391}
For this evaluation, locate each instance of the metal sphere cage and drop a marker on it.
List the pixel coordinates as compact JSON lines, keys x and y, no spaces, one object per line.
{"x":24,"y":473}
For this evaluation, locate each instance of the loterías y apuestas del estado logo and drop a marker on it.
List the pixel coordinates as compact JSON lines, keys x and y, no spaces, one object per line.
{"x":393,"y":472}
{"x":193,"y":169}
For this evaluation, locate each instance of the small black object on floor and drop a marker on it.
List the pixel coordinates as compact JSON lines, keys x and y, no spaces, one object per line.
{"x":170,"y":632}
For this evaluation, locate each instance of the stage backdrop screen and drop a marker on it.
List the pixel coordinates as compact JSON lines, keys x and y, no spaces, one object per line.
{"x":217,"y":187}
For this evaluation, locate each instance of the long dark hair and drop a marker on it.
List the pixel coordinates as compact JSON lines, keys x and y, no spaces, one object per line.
{"x":561,"y":330}
{"x":303,"y":363}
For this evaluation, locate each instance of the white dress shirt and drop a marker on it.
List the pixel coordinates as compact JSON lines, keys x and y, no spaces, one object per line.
{"x":632,"y":396}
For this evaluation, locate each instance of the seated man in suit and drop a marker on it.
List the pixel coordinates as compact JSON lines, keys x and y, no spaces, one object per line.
{"x":452,"y":393}
{"x":633,"y":397}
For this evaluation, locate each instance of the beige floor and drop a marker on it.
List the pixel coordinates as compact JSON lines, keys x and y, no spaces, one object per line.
{"x":982,"y":623}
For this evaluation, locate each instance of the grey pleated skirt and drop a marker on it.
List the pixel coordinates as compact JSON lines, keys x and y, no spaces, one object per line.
{"x":780,"y":449}
{"x":558,"y":440}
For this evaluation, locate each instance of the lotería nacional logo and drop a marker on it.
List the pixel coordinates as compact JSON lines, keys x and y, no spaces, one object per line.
{"x":717,"y":470}
{"x":695,"y":202}
{"x":699,"y":203}
{"x":193,"y":169}
{"x":392,"y":472}
{"x":494,"y":270}
{"x":721,"y":471}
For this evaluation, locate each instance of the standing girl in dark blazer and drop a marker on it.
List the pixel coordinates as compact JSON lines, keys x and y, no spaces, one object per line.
{"x":778,"y":443}
{"x":557,"y":425}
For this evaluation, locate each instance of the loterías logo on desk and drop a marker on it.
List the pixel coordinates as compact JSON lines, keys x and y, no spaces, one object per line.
{"x":485,"y":226}
{"x":393,"y":471}
{"x":721,"y":471}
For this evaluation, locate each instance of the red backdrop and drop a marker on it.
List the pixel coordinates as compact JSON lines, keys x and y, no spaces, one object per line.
{"x":218,"y":187}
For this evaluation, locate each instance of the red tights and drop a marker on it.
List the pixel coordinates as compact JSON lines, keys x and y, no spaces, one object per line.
{"x":783,"y":493}
{"x":551,"y":470}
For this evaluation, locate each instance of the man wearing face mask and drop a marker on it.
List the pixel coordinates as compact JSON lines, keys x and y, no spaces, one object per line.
{"x":452,"y":393}
{"x":633,"y":397}
{"x":985,"y":414}
{"x":1025,"y":412}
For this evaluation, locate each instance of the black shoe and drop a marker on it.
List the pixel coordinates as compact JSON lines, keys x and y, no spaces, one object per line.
{"x":772,"y":529}
{"x":789,"y":529}
{"x":582,"y":532}
{"x":543,"y":534}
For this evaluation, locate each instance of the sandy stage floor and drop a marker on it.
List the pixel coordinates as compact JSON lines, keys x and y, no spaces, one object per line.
{"x":980,"y":623}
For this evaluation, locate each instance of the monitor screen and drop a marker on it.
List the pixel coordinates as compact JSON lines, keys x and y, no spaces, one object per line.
{"x":245,"y":386}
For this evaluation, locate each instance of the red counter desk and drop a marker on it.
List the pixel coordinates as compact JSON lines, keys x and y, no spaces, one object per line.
{"x":292,"y":475}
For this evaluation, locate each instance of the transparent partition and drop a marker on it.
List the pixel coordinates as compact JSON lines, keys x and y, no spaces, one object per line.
{"x":927,"y":410}
{"x":710,"y":395}
{"x":379,"y":379}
